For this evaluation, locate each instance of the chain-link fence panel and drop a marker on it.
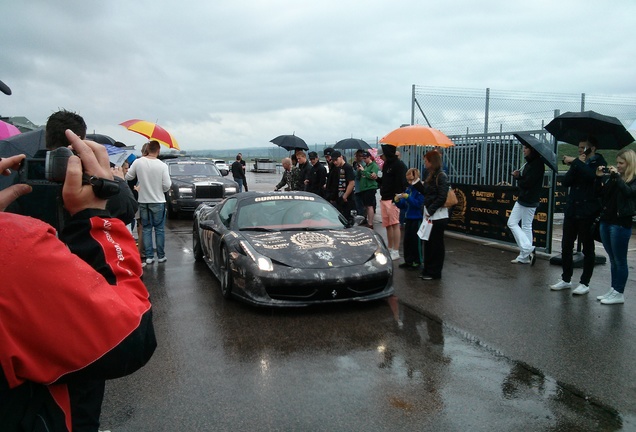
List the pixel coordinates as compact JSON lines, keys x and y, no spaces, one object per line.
{"x":460,"y":111}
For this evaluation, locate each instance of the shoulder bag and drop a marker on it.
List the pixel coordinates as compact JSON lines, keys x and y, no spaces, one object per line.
{"x":451,"y":197}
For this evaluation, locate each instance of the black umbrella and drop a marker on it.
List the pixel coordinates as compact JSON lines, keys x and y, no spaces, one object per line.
{"x":352,"y":143}
{"x":27,"y":142}
{"x":290,"y":142}
{"x":544,"y":150}
{"x":5,"y":88}
{"x":100,"y":139}
{"x":574,"y":127}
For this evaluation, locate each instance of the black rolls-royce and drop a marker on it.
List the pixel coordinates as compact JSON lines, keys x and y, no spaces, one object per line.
{"x":194,"y":182}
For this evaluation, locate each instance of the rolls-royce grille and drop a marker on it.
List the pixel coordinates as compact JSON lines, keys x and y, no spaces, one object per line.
{"x":208,"y":191}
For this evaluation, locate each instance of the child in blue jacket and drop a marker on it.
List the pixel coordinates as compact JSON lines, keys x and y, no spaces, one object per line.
{"x":412,"y":202}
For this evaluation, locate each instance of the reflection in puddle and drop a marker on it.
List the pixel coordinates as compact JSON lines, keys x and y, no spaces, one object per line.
{"x":442,"y":360}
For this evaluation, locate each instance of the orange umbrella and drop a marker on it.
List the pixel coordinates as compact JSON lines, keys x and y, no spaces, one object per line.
{"x":151,"y":131}
{"x":417,"y":135}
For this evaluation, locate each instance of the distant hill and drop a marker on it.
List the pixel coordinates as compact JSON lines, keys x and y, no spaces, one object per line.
{"x":270,"y":152}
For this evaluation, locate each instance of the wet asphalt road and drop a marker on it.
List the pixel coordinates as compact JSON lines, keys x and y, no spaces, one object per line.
{"x":379,"y":366}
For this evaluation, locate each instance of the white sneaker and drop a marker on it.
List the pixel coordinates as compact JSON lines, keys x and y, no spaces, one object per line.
{"x":614,"y":298}
{"x":561,"y":285}
{"x":581,"y":289}
{"x":601,"y":297}
{"x":520,"y":261}
{"x":395,"y":254}
{"x":162,"y":260}
{"x":149,"y":260}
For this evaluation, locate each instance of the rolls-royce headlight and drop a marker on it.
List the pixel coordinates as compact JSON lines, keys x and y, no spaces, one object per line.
{"x":261,"y":261}
{"x":186,"y":192}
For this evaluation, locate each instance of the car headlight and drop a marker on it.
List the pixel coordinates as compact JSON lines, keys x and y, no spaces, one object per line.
{"x":186,"y":192}
{"x":230,"y":190}
{"x":263,"y":262}
{"x":381,"y":258}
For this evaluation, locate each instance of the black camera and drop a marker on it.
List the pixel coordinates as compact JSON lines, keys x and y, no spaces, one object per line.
{"x":47,"y":170}
{"x":606,"y":170}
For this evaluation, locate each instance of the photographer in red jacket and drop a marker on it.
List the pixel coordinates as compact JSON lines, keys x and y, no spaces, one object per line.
{"x":72,"y":311}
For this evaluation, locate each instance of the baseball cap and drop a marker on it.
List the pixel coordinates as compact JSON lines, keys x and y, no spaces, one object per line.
{"x":335,"y":154}
{"x":327,"y":152}
{"x":366,"y":154}
{"x":313,"y":155}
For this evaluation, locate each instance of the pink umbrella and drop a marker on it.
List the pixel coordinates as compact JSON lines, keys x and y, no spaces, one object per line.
{"x":376,"y":158}
{"x":7,"y":130}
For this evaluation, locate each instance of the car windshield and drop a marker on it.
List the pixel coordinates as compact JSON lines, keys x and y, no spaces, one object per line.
{"x":194,"y":169}
{"x":291,"y":213}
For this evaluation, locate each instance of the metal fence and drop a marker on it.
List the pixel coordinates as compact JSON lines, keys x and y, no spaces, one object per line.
{"x":460,"y":111}
{"x":481,"y":123}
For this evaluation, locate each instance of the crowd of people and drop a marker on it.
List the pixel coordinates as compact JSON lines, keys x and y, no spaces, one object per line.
{"x":600,"y":196}
{"x":600,"y":205}
{"x":405,"y":198}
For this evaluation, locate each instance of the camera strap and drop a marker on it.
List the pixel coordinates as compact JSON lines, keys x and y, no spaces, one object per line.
{"x":102,"y":188}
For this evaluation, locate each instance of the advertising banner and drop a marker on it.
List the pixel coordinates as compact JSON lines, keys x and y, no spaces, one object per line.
{"x":483,"y":211}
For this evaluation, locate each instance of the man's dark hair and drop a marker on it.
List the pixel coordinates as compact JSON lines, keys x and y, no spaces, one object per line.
{"x":57,"y":124}
{"x":592,"y":141}
{"x":153,"y":146}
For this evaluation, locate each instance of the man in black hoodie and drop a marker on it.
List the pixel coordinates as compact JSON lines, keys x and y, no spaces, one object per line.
{"x":392,"y":182}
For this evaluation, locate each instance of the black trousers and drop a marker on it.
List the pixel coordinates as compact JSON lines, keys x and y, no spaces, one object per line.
{"x":345,"y":207}
{"x":86,"y":404}
{"x":434,"y":249}
{"x":412,"y":243}
{"x":581,"y":228}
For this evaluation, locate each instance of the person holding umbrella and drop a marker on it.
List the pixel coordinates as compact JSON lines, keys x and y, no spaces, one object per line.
{"x":617,"y":187}
{"x":582,"y":207}
{"x":529,"y":180}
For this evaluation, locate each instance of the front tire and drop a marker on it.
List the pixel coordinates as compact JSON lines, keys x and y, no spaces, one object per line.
{"x":226,"y":273}
{"x":197,"y":249}
{"x":172,"y":214}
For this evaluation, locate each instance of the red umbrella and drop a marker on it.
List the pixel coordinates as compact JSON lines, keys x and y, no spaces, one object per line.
{"x":7,"y":130}
{"x":151,"y":131}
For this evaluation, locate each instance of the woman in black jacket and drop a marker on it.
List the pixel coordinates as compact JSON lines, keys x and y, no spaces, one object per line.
{"x":529,"y":179}
{"x":617,"y":187}
{"x":435,"y":189}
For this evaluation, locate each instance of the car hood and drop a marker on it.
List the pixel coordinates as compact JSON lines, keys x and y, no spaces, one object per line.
{"x":315,"y":249}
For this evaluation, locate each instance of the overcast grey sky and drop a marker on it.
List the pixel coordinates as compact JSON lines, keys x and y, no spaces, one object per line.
{"x":226,"y":74}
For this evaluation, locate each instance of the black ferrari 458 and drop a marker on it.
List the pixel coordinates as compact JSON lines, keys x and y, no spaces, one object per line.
{"x":290,"y":249}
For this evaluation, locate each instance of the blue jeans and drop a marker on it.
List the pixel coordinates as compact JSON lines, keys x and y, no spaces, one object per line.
{"x":616,"y":241}
{"x":240,"y":184}
{"x":153,"y":216}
